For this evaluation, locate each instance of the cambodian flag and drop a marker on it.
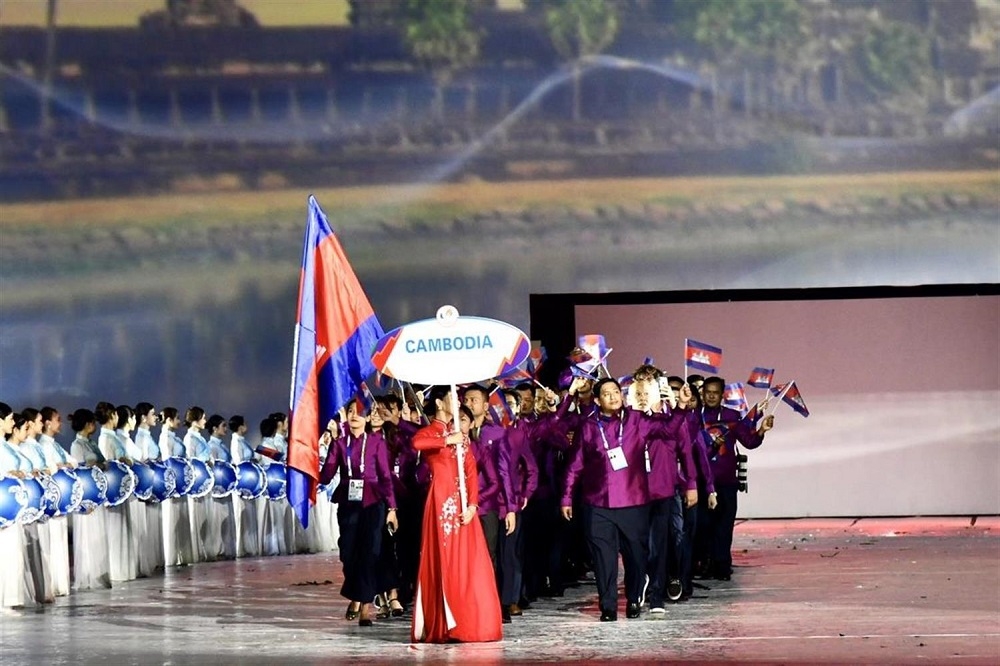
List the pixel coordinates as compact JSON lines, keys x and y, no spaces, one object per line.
{"x":536,"y":359}
{"x":499,"y":409}
{"x":595,"y":346}
{"x":761,"y":378}
{"x":734,"y":396}
{"x":335,"y":331}
{"x":753,"y":416}
{"x":702,"y":356}
{"x":789,"y":393}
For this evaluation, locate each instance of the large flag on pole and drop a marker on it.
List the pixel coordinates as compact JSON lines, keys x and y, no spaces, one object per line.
{"x":335,"y":332}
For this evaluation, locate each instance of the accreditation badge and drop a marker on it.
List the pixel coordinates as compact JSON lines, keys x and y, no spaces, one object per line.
{"x":617,"y":458}
{"x":355,"y":490}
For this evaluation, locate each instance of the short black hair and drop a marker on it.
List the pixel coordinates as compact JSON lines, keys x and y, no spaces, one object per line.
{"x":601,"y":382}
{"x":390,"y":400}
{"x":714,"y":380}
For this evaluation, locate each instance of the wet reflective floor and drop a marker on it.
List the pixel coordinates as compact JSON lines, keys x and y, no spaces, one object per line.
{"x":889,"y":591}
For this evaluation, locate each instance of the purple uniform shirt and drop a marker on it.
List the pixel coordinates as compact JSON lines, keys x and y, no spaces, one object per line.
{"x":486,"y":445}
{"x":347,"y":453}
{"x":517,"y":466}
{"x":590,"y":465}
{"x":664,"y":474}
{"x":699,"y":449}
{"x":723,"y":458}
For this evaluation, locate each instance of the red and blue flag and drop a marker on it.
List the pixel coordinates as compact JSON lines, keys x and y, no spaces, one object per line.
{"x":761,"y":378}
{"x":499,"y":409}
{"x":790,"y":394}
{"x":335,"y":331}
{"x":702,"y":356}
{"x":753,"y":416}
{"x":536,"y":359}
{"x":734,"y":396}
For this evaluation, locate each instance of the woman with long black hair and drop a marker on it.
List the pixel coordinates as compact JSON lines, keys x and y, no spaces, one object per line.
{"x":456,"y":597}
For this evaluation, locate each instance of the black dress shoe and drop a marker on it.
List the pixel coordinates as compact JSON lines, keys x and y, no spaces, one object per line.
{"x":609,"y":616}
{"x":505,"y":614}
{"x":632,"y":610}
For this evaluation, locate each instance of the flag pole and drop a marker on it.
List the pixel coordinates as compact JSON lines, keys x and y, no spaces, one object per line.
{"x":780,"y":396}
{"x":459,"y":450}
{"x":684,"y":373}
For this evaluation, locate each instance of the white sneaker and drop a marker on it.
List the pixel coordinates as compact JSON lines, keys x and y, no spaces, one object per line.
{"x":657,"y":610}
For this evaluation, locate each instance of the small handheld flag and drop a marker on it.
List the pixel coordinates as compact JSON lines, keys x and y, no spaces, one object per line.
{"x":789,"y":394}
{"x":702,"y":356}
{"x":761,"y":378}
{"x":734,"y":397}
{"x":595,"y":346}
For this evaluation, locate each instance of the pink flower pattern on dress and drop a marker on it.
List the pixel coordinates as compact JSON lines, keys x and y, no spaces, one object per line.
{"x":449,"y":516}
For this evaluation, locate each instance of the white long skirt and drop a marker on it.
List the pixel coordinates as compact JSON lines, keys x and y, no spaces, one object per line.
{"x":16,"y":589}
{"x":37,"y":560}
{"x":320,"y":516}
{"x":248,"y":540}
{"x":271,"y":516}
{"x":198,"y":511}
{"x":212,"y":534}
{"x":295,"y":535}
{"x":177,"y":547}
{"x":223,"y":529}
{"x":91,"y":569}
{"x":154,"y":533}
{"x":59,"y":554}
{"x":122,"y":560}
{"x":145,"y":558}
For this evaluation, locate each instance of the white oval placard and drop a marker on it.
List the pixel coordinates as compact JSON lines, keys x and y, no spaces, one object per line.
{"x":461,"y":350}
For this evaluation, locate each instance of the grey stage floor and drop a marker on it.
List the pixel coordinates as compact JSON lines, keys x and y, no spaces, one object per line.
{"x":891,"y":591}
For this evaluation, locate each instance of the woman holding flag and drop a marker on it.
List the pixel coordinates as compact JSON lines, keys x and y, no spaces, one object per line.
{"x":366,"y":506}
{"x":456,"y":597}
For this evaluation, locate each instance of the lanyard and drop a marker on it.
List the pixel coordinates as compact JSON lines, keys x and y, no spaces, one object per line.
{"x":621,"y":430}
{"x":350,"y":463}
{"x":718,"y":416}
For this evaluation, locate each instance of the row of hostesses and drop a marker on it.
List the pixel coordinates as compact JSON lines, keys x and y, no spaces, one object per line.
{"x":135,"y":538}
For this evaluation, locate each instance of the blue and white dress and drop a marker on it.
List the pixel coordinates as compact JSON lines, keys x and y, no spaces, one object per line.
{"x":248,"y":536}
{"x":122,"y":558}
{"x":17,"y":587}
{"x":177,"y":547}
{"x":91,"y":569}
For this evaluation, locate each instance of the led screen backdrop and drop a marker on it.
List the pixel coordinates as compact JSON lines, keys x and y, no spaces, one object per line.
{"x":903,"y":391}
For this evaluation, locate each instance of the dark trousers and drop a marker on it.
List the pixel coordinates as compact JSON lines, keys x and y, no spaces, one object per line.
{"x":702,"y":538}
{"x":666,"y":530}
{"x":543,"y":536}
{"x":411,"y":517}
{"x":387,"y":569}
{"x":511,"y":554}
{"x":687,"y":548}
{"x":360,"y":547}
{"x":608,"y":532}
{"x":491,"y":530}
{"x":723,"y":520}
